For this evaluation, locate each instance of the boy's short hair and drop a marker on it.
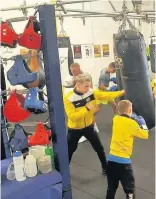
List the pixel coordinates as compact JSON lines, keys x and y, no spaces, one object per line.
{"x":82,"y":78}
{"x":123,"y":106}
{"x":112,"y":65}
{"x":75,"y":65}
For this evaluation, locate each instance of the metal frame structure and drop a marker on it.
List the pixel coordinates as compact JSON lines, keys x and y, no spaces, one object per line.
{"x":146,"y":15}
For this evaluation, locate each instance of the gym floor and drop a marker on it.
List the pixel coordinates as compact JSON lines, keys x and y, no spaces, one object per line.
{"x":87,"y":180}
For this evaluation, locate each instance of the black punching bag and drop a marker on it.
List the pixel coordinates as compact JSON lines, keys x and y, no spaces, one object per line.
{"x":64,"y":42}
{"x":118,"y":65}
{"x":152,"y":57}
{"x":130,"y":46}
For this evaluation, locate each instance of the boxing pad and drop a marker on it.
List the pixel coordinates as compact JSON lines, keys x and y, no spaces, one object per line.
{"x":31,"y":38}
{"x":33,"y":60}
{"x":19,"y":73}
{"x":34,"y":103}
{"x":18,"y":139}
{"x":41,"y":136}
{"x":8,"y":35}
{"x":113,"y":88}
{"x":14,"y":108}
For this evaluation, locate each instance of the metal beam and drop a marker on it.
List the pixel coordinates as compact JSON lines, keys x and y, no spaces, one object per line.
{"x":36,"y":5}
{"x":99,"y":16}
{"x":88,"y":12}
{"x":112,"y":5}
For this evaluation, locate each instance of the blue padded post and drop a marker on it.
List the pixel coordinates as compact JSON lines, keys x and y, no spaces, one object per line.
{"x":54,"y":91}
{"x":5,"y":134}
{"x":19,"y":73}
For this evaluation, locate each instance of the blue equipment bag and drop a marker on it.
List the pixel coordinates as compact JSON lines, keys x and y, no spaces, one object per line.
{"x":34,"y":102}
{"x":20,"y":73}
{"x":18,"y":139}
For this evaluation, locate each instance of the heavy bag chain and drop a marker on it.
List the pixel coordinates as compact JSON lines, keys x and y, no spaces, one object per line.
{"x":126,"y":19}
{"x":122,"y":27}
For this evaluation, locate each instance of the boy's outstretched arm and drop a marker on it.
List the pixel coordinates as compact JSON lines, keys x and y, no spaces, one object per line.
{"x":108,"y":95}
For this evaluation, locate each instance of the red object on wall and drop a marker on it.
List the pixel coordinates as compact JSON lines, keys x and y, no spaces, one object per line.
{"x":41,"y":136}
{"x":30,"y":38}
{"x":14,"y":108}
{"x":8,"y":35}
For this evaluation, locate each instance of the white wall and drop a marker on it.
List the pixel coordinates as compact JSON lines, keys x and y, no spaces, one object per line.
{"x":97,"y":31}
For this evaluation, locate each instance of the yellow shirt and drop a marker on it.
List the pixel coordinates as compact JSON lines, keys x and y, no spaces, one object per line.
{"x":104,"y":101}
{"x":124,"y":131}
{"x":78,"y":116}
{"x":153,"y":85}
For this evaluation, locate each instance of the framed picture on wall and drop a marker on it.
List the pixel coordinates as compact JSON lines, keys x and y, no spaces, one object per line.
{"x":77,"y":51}
{"x":88,"y":51}
{"x":105,"y":50}
{"x":97,"y":51}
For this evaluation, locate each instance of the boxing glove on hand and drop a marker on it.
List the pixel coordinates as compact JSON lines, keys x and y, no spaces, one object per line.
{"x":113,"y":88}
{"x":140,"y":120}
{"x":134,"y":115}
{"x":113,"y":79}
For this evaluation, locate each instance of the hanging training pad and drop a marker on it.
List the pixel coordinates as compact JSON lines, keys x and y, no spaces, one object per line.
{"x":31,"y":38}
{"x":18,"y":139}
{"x":130,"y":47}
{"x":14,"y":108}
{"x":8,"y":35}
{"x":33,"y":103}
{"x":19,"y":73}
{"x":33,"y":60}
{"x":41,"y":136}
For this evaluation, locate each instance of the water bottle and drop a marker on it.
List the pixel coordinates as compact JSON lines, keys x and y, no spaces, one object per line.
{"x":11,"y":172}
{"x":49,"y":151}
{"x":19,"y":166}
{"x":30,"y":166}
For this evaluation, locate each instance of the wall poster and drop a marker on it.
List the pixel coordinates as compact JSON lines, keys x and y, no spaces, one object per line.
{"x":77,"y":51}
{"x":88,"y":51}
{"x":105,"y":50}
{"x":97,"y":51}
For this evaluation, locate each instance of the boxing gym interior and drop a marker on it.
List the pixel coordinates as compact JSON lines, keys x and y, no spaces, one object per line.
{"x":49,"y":50}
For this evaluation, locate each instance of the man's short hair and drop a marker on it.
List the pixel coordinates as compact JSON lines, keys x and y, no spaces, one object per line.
{"x":112,"y":65}
{"x":75,"y":65}
{"x":82,"y":78}
{"x":123,"y":106}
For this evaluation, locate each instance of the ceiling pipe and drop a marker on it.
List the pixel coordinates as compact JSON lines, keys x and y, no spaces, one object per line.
{"x":35,"y":5}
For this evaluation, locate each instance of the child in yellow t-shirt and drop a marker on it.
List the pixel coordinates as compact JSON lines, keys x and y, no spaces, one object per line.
{"x":125,"y":128}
